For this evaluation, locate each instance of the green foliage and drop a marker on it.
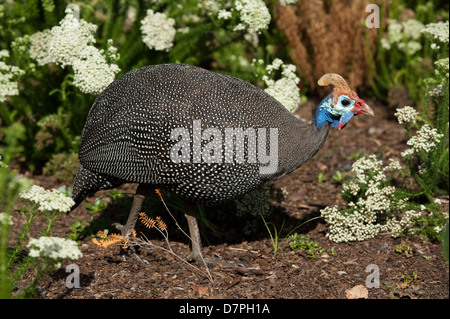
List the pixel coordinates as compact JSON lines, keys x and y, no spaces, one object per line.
{"x":405,"y":250}
{"x":303,"y":243}
{"x":63,"y":167}
{"x":445,"y":242}
{"x":339,"y":176}
{"x":402,"y":58}
{"x":275,"y":236}
{"x":48,"y":114}
{"x":320,"y":178}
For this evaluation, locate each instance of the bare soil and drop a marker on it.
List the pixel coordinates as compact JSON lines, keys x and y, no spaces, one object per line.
{"x":286,"y":275}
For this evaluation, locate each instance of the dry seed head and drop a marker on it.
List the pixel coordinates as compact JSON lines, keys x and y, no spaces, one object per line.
{"x":147,"y":221}
{"x":161,"y":225}
{"x":109,"y":240}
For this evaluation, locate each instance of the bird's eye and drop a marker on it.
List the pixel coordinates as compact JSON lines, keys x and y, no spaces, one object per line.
{"x":345,"y":102}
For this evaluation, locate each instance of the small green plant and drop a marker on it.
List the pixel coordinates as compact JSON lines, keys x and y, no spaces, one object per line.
{"x":333,"y":251}
{"x":354,"y":157}
{"x":407,"y":287}
{"x":303,"y":243}
{"x":405,"y":250}
{"x":98,"y":205}
{"x":320,"y":178}
{"x":339,"y":176}
{"x":77,"y":228}
{"x":407,"y":280}
{"x":276,"y":235}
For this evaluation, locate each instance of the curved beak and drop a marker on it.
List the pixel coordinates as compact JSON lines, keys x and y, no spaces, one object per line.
{"x":362,"y":108}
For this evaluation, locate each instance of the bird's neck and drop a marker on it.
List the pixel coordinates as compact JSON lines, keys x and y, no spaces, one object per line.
{"x":303,"y":141}
{"x":322,"y":116}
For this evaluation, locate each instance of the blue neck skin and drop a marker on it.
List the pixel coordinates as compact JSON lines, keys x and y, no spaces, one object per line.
{"x":322,"y":115}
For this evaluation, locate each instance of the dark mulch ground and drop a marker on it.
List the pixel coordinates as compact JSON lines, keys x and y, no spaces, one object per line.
{"x":288,"y":274}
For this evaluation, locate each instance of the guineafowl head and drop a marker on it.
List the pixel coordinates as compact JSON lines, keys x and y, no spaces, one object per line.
{"x":340,"y":105}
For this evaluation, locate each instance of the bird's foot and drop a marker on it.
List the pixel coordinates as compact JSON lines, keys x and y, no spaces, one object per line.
{"x":130,"y":250}
{"x":119,"y":227}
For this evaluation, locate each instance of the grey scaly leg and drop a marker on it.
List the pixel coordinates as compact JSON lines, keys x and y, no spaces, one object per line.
{"x":196,"y":252}
{"x":141,"y":193}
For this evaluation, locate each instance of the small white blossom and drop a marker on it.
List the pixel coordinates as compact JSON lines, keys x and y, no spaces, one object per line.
{"x":224,"y":14}
{"x":371,"y":213}
{"x":92,"y":74}
{"x":405,"y":36}
{"x":285,"y":89}
{"x":352,"y":187}
{"x":422,"y":168}
{"x":394,"y":165}
{"x":438,"y":229}
{"x":158,"y":31}
{"x":407,"y":153}
{"x":253,"y":14}
{"x":410,"y":47}
{"x":39,"y":47}
{"x":437,"y":32}
{"x":442,"y":66}
{"x":439,"y":90}
{"x":8,"y":74}
{"x":409,"y":218}
{"x":413,"y":28}
{"x":406,"y":115}
{"x":48,"y":200}
{"x":426,"y":139}
{"x":69,"y":39}
{"x":71,"y":43}
{"x":54,"y":248}
{"x":6,"y":219}
{"x":395,"y":32}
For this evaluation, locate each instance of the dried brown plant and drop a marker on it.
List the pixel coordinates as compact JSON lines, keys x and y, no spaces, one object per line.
{"x":329,"y":37}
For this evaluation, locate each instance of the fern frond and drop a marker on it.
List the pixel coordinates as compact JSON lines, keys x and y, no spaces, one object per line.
{"x":109,"y":240}
{"x":160,"y":224}
{"x":147,"y":221}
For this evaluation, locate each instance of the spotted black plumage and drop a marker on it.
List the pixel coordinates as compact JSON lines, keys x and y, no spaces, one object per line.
{"x":127,"y":133}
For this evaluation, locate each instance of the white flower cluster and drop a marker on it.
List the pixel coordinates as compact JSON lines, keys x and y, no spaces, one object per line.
{"x":345,"y":227}
{"x":442,"y":67}
{"x":374,"y":210}
{"x":405,"y":36}
{"x":426,"y":139}
{"x":89,"y":66}
{"x":441,"y":76}
{"x":54,"y":248}
{"x":253,"y":14}
{"x":437,"y":32}
{"x":6,"y":219}
{"x":224,"y":14}
{"x":71,"y":43}
{"x":158,"y":31}
{"x":368,"y":171}
{"x":406,"y":115}
{"x":8,"y":73}
{"x":48,"y":200}
{"x":285,"y":89}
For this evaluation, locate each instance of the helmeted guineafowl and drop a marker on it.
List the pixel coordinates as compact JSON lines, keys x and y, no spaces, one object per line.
{"x":205,"y":137}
